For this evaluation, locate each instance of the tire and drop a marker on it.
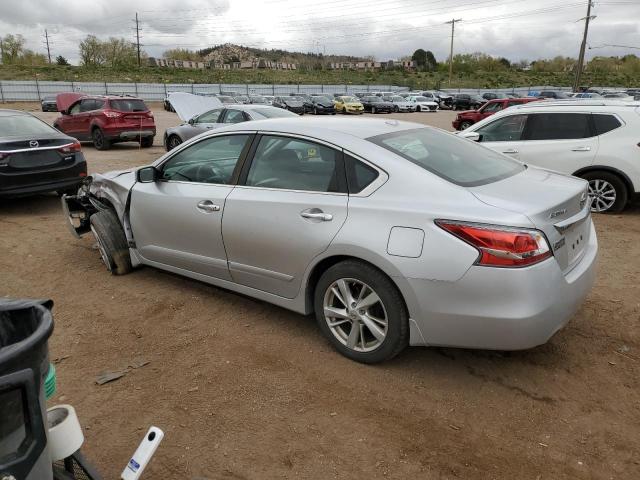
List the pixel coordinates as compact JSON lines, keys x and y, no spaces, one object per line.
{"x":368,"y":348}
{"x":396,"y":109}
{"x":464,"y":125}
{"x":146,"y":142}
{"x":112,"y":243}
{"x":418,"y":108}
{"x":373,"y":109}
{"x":315,"y":110}
{"x":607,"y":190}
{"x":173,"y":141}
{"x":99,"y":140}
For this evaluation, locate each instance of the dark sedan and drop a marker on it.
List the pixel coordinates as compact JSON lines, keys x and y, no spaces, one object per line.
{"x":375,"y":104}
{"x":36,"y":158}
{"x":49,"y":104}
{"x":466,"y":101}
{"x":293,"y":104}
{"x":321,"y":105}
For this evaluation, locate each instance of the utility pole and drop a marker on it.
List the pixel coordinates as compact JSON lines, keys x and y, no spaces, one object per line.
{"x":583,"y":46}
{"x":138,"y":38}
{"x":453,"y":27}
{"x":46,"y":39}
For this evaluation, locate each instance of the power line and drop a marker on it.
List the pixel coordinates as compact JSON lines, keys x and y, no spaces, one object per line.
{"x":453,"y":27}
{"x":583,"y":45}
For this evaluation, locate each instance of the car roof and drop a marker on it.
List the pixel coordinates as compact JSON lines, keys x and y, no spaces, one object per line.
{"x":7,"y":112}
{"x":313,"y":126}
{"x":577,"y":104}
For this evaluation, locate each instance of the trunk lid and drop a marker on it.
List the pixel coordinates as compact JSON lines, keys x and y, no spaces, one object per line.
{"x":556,"y":204}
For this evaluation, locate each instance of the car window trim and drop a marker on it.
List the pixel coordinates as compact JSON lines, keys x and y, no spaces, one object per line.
{"x":236,"y":170}
{"x":382,"y":178}
{"x":342,"y":174}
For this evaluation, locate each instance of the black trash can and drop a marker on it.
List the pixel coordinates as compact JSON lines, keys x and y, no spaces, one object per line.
{"x":25,"y":327}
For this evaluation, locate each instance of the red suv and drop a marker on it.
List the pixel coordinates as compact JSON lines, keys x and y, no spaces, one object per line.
{"x":466,"y":119}
{"x":105,"y":120}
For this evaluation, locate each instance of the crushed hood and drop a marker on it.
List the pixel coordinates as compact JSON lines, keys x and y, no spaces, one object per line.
{"x":188,"y":105}
{"x":65,"y":100}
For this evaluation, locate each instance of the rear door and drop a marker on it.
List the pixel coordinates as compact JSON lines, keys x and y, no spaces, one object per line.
{"x":177,"y":220}
{"x":290,"y":203}
{"x":559,"y":141}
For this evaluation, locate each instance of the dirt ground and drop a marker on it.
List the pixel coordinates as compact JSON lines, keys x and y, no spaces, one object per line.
{"x":246,"y":390}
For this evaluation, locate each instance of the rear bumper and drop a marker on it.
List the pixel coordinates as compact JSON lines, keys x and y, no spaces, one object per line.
{"x":500,"y":308}
{"x":129,"y":135}
{"x":21,"y":183}
{"x":41,"y":187}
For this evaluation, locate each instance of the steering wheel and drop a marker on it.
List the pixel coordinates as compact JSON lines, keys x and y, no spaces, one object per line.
{"x":211,"y":173}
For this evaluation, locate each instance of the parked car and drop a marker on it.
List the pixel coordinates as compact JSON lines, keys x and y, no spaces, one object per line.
{"x":48,"y":104}
{"x":401,"y":104}
{"x":423,"y":104}
{"x":166,"y":104}
{"x":348,"y":104}
{"x":465,"y":119}
{"x":36,"y":158}
{"x":375,"y":104}
{"x":105,"y":119}
{"x":586,"y":95}
{"x":497,"y":255}
{"x":320,"y":105}
{"x":197,"y":121}
{"x":557,"y":94}
{"x":226,"y":99}
{"x":593,"y":139}
{"x":293,"y":104}
{"x":257,"y":100}
{"x":242,"y":99}
{"x":622,"y":96}
{"x":493,"y":95}
{"x":466,"y":101}
{"x":445,"y":100}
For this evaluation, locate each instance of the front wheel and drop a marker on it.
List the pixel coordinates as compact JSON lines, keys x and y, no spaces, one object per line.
{"x":607,"y":192}
{"x":373,"y":109}
{"x":112,"y":242}
{"x":361,"y":312}
{"x":396,"y":109}
{"x":465,"y":125}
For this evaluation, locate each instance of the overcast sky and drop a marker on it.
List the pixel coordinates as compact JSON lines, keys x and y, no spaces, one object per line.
{"x":385,"y":29}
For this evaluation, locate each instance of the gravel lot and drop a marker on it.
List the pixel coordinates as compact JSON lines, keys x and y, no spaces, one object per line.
{"x":246,"y":390}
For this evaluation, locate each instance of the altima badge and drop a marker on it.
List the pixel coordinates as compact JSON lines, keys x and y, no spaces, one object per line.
{"x":557,"y":213}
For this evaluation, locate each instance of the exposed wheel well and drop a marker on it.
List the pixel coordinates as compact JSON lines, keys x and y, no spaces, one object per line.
{"x":329,"y":262}
{"x":597,"y":168}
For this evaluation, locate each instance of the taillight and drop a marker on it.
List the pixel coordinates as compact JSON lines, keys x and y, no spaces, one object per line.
{"x":150,"y":114}
{"x":71,"y":148}
{"x":110,"y":114}
{"x":501,"y":246}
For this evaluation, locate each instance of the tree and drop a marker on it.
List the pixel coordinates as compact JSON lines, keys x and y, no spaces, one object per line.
{"x":12,"y":48}
{"x":420,"y":57}
{"x":60,"y":60}
{"x":29,"y":57}
{"x":182,"y":54}
{"x":505,"y":62}
{"x":119,"y":53}
{"x":92,"y":52}
{"x":432,"y":64}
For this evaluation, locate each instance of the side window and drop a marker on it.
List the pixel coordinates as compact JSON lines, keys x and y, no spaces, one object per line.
{"x":210,"y":161}
{"x":493,"y":107}
{"x":87,"y":105}
{"x":605,"y":123}
{"x":558,"y":126}
{"x":359,"y":175}
{"x":505,"y":129}
{"x":234,"y":116}
{"x":99,"y":104}
{"x":209,"y":117}
{"x":513,"y":102}
{"x":293,"y":164}
{"x":75,"y":109}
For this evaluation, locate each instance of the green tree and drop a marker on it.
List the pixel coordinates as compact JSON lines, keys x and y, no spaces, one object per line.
{"x":182,"y":54}
{"x":92,"y":52}
{"x":420,"y":57}
{"x":120,"y":53}
{"x":60,"y":60}
{"x":12,"y":48}
{"x":29,"y":57}
{"x":431,"y":64}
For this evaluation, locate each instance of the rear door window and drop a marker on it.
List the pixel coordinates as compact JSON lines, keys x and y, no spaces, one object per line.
{"x":359,"y":174}
{"x":210,"y":117}
{"x":604,"y":123}
{"x":557,"y":126}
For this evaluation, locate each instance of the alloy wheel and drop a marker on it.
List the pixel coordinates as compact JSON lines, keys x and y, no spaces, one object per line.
{"x":98,"y":138}
{"x":355,"y":315}
{"x":174,"y":142}
{"x":602,"y":194}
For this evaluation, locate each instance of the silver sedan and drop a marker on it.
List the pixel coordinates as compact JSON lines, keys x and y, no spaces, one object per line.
{"x":391,"y":233}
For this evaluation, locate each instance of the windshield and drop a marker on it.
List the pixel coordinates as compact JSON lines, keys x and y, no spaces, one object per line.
{"x":271,"y":113}
{"x":128,"y":105}
{"x":455,"y":159}
{"x":321,"y":99}
{"x":258,"y":100}
{"x":349,"y":99}
{"x":23,"y":125}
{"x":422,"y":99}
{"x":294,"y":99}
{"x":373,"y":99}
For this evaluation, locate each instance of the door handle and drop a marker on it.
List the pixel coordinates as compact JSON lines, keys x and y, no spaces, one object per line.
{"x":208,"y":206}
{"x":581,"y":149}
{"x":325,"y":217}
{"x":511,"y":150}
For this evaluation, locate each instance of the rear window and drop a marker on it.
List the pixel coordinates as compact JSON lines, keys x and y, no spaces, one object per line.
{"x":605,"y":123}
{"x":455,"y":159}
{"x":13,"y":125}
{"x":272,"y":113}
{"x":128,"y":105}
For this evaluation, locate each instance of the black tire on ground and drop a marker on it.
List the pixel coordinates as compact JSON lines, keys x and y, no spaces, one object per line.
{"x":112,"y":242}
{"x":418,"y":108}
{"x":100,"y":142}
{"x":373,"y":109}
{"x":622,"y":194}
{"x":464,"y":125}
{"x":146,"y":142}
{"x":396,"y":109}
{"x":315,"y":110}
{"x":397,"y":337}
{"x":173,"y":141}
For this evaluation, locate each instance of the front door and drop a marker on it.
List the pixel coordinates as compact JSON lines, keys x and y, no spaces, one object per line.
{"x":504,"y":134}
{"x":290,"y":203}
{"x":176,"y":221}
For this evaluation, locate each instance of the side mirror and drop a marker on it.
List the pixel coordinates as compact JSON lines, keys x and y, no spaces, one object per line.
{"x":473,"y":136}
{"x":192,"y":120}
{"x":147,"y":175}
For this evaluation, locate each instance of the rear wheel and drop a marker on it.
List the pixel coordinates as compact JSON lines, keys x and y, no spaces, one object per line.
{"x":112,"y":242}
{"x":100,"y":142}
{"x":146,"y":142}
{"x":607,"y":192}
{"x":361,"y":312}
